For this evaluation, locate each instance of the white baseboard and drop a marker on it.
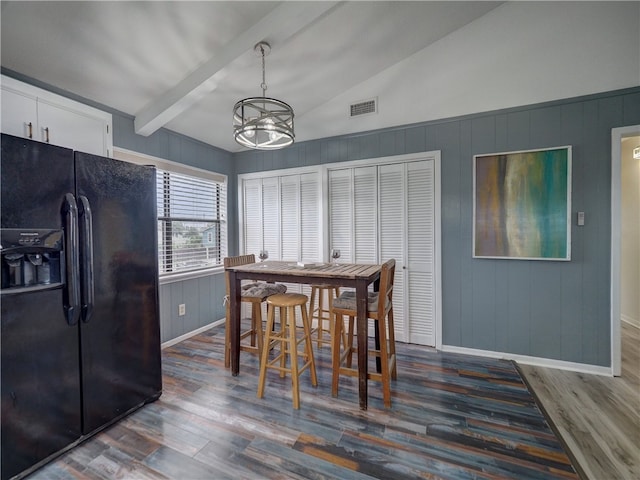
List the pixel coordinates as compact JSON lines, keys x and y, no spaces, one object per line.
{"x":173,"y":341}
{"x":524,"y":359}
{"x":535,"y":361}
{"x":634,"y":322}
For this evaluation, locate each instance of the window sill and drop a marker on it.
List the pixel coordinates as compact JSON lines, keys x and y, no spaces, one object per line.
{"x":182,"y":276}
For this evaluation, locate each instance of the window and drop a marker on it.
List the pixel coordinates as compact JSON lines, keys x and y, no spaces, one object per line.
{"x":192,"y":212}
{"x":191,"y":226}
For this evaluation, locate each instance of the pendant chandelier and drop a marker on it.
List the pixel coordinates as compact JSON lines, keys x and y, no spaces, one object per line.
{"x":263,"y":123}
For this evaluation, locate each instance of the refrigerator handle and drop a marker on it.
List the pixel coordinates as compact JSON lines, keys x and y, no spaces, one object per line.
{"x":72,"y":260}
{"x":85,"y":224}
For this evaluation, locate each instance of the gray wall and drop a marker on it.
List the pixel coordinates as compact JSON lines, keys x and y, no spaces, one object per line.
{"x":202,"y":296}
{"x":557,"y":310}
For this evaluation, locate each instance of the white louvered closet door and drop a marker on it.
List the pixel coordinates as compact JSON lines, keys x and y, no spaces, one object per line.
{"x":365,"y":197}
{"x":252,"y":235}
{"x":341,"y":213}
{"x":310,"y":226}
{"x":420,"y":252}
{"x":282,"y":215}
{"x":290,"y":218}
{"x":252,"y":200}
{"x":391,"y":205}
{"x":310,"y":202}
{"x":290,"y":232}
{"x":271,"y":218}
{"x":387,"y":211}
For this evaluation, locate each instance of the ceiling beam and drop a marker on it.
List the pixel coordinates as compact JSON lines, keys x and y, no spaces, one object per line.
{"x":281,"y":23}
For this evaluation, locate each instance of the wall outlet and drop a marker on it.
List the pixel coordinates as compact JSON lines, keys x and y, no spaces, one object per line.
{"x":182,"y":309}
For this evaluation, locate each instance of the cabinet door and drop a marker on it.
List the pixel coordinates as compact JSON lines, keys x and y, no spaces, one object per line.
{"x":32,"y":112}
{"x":19,"y":114}
{"x":60,"y":125}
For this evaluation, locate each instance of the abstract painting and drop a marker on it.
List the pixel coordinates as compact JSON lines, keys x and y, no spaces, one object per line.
{"x":522,"y":205}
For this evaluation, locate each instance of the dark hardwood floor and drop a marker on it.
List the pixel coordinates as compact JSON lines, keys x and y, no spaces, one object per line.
{"x":453,"y":417}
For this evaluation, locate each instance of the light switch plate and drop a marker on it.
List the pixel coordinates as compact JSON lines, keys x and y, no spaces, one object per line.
{"x":581,"y":219}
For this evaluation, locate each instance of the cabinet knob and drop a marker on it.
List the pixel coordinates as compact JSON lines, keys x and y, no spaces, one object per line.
{"x":46,"y":132}
{"x":30,"y":126}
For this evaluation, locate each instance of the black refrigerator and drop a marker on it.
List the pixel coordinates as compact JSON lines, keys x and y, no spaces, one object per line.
{"x":80,"y":336}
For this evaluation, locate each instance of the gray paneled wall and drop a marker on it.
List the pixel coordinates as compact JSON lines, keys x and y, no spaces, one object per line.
{"x":203,"y":299}
{"x":170,"y":146}
{"x":557,"y":310}
{"x":201,"y":296}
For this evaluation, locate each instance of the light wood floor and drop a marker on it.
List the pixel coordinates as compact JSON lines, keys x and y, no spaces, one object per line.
{"x":597,"y":417}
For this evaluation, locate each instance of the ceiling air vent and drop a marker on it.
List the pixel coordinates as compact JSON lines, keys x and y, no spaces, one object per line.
{"x":364,"y":107}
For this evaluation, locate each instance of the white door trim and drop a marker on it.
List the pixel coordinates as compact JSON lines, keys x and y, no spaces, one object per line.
{"x":438,"y":248}
{"x":617,"y":134}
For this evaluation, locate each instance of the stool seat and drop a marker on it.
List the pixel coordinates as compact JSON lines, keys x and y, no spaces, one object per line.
{"x":287,"y":299}
{"x":347,"y":301}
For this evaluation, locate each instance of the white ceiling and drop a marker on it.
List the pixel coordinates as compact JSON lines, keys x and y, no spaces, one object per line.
{"x":183,"y":65}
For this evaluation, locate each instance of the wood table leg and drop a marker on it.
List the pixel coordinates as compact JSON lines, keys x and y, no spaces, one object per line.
{"x":363,"y":347}
{"x":234,"y":311}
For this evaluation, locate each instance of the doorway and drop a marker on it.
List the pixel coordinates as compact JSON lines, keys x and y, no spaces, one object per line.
{"x":625,"y":272}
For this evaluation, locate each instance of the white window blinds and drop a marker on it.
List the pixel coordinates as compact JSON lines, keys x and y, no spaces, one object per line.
{"x":191,"y":222}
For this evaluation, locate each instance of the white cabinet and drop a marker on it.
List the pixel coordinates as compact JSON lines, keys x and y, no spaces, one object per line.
{"x":19,"y":113}
{"x":34,"y":113}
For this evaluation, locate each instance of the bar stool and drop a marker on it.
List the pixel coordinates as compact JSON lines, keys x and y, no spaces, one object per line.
{"x":380,"y":309}
{"x":254,"y":293}
{"x":286,"y":341}
{"x":322,"y":314}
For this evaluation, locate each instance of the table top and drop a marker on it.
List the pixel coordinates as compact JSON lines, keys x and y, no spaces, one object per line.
{"x":350,"y":271}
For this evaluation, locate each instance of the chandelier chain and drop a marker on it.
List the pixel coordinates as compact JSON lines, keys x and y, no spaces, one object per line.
{"x":264,"y":81}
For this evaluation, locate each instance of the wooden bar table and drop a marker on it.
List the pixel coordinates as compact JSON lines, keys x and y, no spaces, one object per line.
{"x":354,"y":275}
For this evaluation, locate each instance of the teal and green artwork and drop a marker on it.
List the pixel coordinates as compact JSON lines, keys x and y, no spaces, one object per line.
{"x":522,"y":205}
